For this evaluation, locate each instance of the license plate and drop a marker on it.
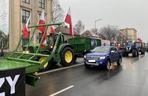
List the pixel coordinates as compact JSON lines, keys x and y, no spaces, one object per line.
{"x":93,"y":64}
{"x":92,"y":61}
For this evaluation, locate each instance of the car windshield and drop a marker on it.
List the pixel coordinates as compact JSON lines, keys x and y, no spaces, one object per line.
{"x":102,"y":49}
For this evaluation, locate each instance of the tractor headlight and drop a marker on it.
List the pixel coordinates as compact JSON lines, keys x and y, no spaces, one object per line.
{"x":103,"y":57}
{"x":51,"y":46}
{"x":84,"y":56}
{"x":26,"y":52}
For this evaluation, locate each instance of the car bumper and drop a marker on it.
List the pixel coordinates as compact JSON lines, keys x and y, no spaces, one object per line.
{"x":98,"y":63}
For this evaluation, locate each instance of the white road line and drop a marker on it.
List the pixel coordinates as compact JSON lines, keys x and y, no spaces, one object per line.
{"x":65,"y":89}
{"x":59,"y":69}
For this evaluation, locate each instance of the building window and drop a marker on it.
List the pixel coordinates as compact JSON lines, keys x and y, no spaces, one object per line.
{"x":25,"y":15}
{"x":42,"y":4}
{"x":27,"y":1}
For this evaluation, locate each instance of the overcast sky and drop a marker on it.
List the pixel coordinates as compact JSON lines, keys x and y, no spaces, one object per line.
{"x":121,"y":13}
{"x":4,"y":15}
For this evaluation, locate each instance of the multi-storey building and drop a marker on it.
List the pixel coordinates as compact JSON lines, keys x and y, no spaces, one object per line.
{"x":129,"y":33}
{"x":18,"y":11}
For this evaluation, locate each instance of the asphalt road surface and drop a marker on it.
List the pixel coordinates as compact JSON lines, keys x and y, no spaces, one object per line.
{"x":131,"y":79}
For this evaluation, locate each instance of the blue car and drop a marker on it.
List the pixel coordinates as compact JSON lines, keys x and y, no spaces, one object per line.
{"x":103,"y":57}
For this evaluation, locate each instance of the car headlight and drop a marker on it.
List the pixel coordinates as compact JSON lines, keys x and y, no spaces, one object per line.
{"x":84,"y":56}
{"x":102,"y":57}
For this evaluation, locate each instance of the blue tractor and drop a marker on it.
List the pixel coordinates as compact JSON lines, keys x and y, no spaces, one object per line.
{"x":135,"y":48}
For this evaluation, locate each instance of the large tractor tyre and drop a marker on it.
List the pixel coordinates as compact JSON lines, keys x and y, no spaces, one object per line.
{"x":137,"y":53}
{"x":125,"y":54}
{"x":142,"y":52}
{"x":134,"y":53}
{"x":119,"y":61}
{"x":67,"y":57}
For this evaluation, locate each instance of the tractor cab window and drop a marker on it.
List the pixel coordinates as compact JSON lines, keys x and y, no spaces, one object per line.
{"x":129,"y":44}
{"x":138,"y":44}
{"x":51,"y":39}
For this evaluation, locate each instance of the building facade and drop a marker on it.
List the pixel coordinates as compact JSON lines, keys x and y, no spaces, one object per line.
{"x":129,"y":34}
{"x":20,"y":11}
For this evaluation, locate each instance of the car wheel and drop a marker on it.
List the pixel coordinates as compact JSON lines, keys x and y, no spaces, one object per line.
{"x":87,"y":66}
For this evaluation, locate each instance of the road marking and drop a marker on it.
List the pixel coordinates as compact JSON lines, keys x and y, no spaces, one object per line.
{"x":65,"y":89}
{"x":59,"y":69}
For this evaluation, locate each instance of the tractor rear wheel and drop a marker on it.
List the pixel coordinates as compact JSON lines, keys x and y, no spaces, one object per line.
{"x":142,"y":52}
{"x":67,"y":57}
{"x":119,"y":61}
{"x":134,"y":53}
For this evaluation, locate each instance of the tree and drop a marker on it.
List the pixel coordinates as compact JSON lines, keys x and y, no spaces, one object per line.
{"x":57,"y":12}
{"x":79,"y":27}
{"x":3,"y":41}
{"x":94,"y":30}
{"x":110,"y":32}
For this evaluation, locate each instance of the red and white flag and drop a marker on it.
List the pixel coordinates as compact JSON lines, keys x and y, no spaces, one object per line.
{"x":26,"y":30}
{"x":68,"y":20}
{"x":52,"y":29}
{"x":42,"y":28}
{"x":42,"y":21}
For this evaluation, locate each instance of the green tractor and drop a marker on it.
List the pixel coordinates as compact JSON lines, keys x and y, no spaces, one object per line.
{"x":34,"y":58}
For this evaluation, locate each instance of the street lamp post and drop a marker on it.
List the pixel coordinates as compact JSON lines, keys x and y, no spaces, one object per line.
{"x":97,"y":21}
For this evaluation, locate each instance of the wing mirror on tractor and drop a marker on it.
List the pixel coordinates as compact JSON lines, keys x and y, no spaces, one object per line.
{"x":112,"y":51}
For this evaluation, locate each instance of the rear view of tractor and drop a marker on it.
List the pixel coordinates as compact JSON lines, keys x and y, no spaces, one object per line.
{"x":129,"y":47}
{"x":133,"y":47}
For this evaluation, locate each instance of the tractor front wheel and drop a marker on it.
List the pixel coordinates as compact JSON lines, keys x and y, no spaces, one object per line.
{"x":67,"y":57}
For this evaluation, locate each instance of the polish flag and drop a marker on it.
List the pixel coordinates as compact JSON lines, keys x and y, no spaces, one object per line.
{"x":52,"y":29}
{"x":26,"y":30}
{"x":42,"y":21}
{"x":42,"y":28}
{"x":69,"y":21}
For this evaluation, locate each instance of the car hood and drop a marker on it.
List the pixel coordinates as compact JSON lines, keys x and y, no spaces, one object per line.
{"x":97,"y":54}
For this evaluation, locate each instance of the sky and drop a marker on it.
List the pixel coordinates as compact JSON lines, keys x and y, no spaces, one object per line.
{"x":119,"y":13}
{"x":4,"y":14}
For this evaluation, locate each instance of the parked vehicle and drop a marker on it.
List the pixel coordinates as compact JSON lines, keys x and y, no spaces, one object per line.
{"x":103,"y":56}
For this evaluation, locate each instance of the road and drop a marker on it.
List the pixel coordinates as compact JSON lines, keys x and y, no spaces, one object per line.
{"x":131,"y":79}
